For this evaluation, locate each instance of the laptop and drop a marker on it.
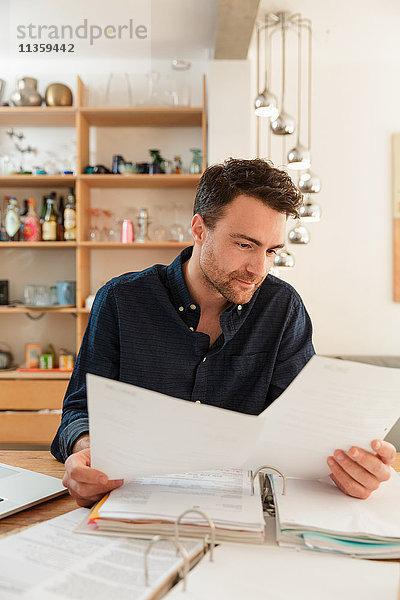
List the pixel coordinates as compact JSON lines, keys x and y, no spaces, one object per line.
{"x":20,"y":489}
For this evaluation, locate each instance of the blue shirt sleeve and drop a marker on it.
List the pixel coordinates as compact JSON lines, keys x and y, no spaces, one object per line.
{"x":99,"y":354}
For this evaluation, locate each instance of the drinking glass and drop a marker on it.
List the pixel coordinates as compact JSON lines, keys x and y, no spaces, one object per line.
{"x":118,"y":90}
{"x":29,"y":294}
{"x":94,"y":231}
{"x":42,"y":295}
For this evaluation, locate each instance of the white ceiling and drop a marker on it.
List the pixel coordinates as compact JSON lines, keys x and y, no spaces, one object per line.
{"x":348,"y":29}
{"x":183,"y":29}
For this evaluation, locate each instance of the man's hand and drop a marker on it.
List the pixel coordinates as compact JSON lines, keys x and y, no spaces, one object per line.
{"x":358,"y":472}
{"x":85,"y":484}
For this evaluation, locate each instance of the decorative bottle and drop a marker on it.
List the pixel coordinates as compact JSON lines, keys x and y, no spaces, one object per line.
{"x":49,"y":227}
{"x":12,"y":220}
{"x":32,"y":228}
{"x":60,"y":219}
{"x":70,"y":218}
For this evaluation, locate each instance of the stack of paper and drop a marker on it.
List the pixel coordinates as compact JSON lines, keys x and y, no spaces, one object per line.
{"x":50,"y":562}
{"x":150,"y":506}
{"x":316,"y":515}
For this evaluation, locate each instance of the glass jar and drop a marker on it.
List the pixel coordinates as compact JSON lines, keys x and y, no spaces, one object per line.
{"x":196,"y":164}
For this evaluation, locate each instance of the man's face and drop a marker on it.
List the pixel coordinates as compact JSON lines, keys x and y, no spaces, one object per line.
{"x":237,"y":254}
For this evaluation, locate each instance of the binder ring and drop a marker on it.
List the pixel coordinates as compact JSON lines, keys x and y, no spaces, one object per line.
{"x":179,"y":547}
{"x":209,"y":521}
{"x":254,"y":475}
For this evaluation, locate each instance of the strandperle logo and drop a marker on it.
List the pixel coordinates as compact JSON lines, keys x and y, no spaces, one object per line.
{"x":85,"y":31}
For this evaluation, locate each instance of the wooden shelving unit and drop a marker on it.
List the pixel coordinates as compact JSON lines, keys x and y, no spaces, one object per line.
{"x":22,"y":310}
{"x":45,"y":387}
{"x":140,"y":181}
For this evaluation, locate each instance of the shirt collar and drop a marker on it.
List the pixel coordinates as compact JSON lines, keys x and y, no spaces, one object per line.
{"x":178,"y":288}
{"x":231,"y":319}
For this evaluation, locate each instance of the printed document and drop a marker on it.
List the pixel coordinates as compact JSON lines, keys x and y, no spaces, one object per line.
{"x":50,"y":562}
{"x":331,"y":404}
{"x":135,"y":432}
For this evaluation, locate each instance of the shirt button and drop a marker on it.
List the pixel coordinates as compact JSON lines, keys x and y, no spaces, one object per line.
{"x":204,"y":359}
{"x":191,"y":328}
{"x":181,"y":309}
{"x":193,"y":306}
{"x":239,"y":307}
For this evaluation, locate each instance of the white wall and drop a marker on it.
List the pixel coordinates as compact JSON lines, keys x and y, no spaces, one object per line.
{"x":345,"y":274}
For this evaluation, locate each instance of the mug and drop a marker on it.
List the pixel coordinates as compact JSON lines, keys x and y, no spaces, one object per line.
{"x":66,"y":292}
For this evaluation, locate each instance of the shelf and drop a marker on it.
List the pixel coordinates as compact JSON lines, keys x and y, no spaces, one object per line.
{"x":143,"y":116}
{"x":136,"y":245}
{"x":38,"y":116}
{"x":21,"y":310}
{"x":37,"y":180}
{"x":140,"y":181}
{"x":45,"y":375}
{"x":38,"y":245}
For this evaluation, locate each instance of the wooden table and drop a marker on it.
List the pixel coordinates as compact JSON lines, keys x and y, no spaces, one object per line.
{"x":43,"y":462}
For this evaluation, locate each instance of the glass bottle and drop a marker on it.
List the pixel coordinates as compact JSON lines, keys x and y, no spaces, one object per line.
{"x":196,"y":164}
{"x":178,"y":169}
{"x":60,"y":219}
{"x":32,"y":228}
{"x":157,"y":165}
{"x":70,"y":218}
{"x":43,"y":209}
{"x":49,"y":227}
{"x":22,"y":218}
{"x":12,"y":220}
{"x":3,"y":233}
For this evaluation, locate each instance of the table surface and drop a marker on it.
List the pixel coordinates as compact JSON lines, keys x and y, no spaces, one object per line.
{"x":43,"y":462}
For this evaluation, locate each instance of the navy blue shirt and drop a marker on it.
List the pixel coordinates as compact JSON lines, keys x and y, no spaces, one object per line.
{"x":142,"y":331}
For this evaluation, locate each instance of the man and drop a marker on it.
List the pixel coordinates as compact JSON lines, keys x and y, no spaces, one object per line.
{"x":210,"y":327}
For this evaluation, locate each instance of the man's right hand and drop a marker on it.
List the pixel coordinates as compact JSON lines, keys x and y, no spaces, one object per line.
{"x":85,"y":484}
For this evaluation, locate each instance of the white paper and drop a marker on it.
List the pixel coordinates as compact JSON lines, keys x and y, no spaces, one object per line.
{"x":261,"y":572}
{"x":50,"y":562}
{"x":321,"y":506}
{"x":135,"y":432}
{"x":224,"y":496}
{"x":331,"y":404}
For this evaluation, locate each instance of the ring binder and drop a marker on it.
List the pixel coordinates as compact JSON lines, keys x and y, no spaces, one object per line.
{"x":206,"y":518}
{"x":179,"y":547}
{"x":254,"y":475}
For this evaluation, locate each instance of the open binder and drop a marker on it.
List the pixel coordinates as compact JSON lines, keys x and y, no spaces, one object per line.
{"x":310,"y":514}
{"x":232,"y":499}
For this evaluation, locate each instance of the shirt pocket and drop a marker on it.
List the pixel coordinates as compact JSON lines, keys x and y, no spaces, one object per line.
{"x":249,"y":366}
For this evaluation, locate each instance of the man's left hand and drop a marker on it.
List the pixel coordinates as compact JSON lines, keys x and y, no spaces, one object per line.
{"x":357,"y":472}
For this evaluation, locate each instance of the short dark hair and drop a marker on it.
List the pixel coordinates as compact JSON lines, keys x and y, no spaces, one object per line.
{"x":220,"y":184}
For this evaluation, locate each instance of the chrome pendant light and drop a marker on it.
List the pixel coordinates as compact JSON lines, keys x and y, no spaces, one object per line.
{"x":310,"y":211}
{"x":266,"y":103}
{"x":299,"y":234}
{"x":284,"y":124}
{"x":284,"y":259}
{"x":299,"y":156}
{"x":309,"y":183}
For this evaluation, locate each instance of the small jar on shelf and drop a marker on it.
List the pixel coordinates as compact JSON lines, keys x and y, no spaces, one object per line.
{"x":196,"y":165}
